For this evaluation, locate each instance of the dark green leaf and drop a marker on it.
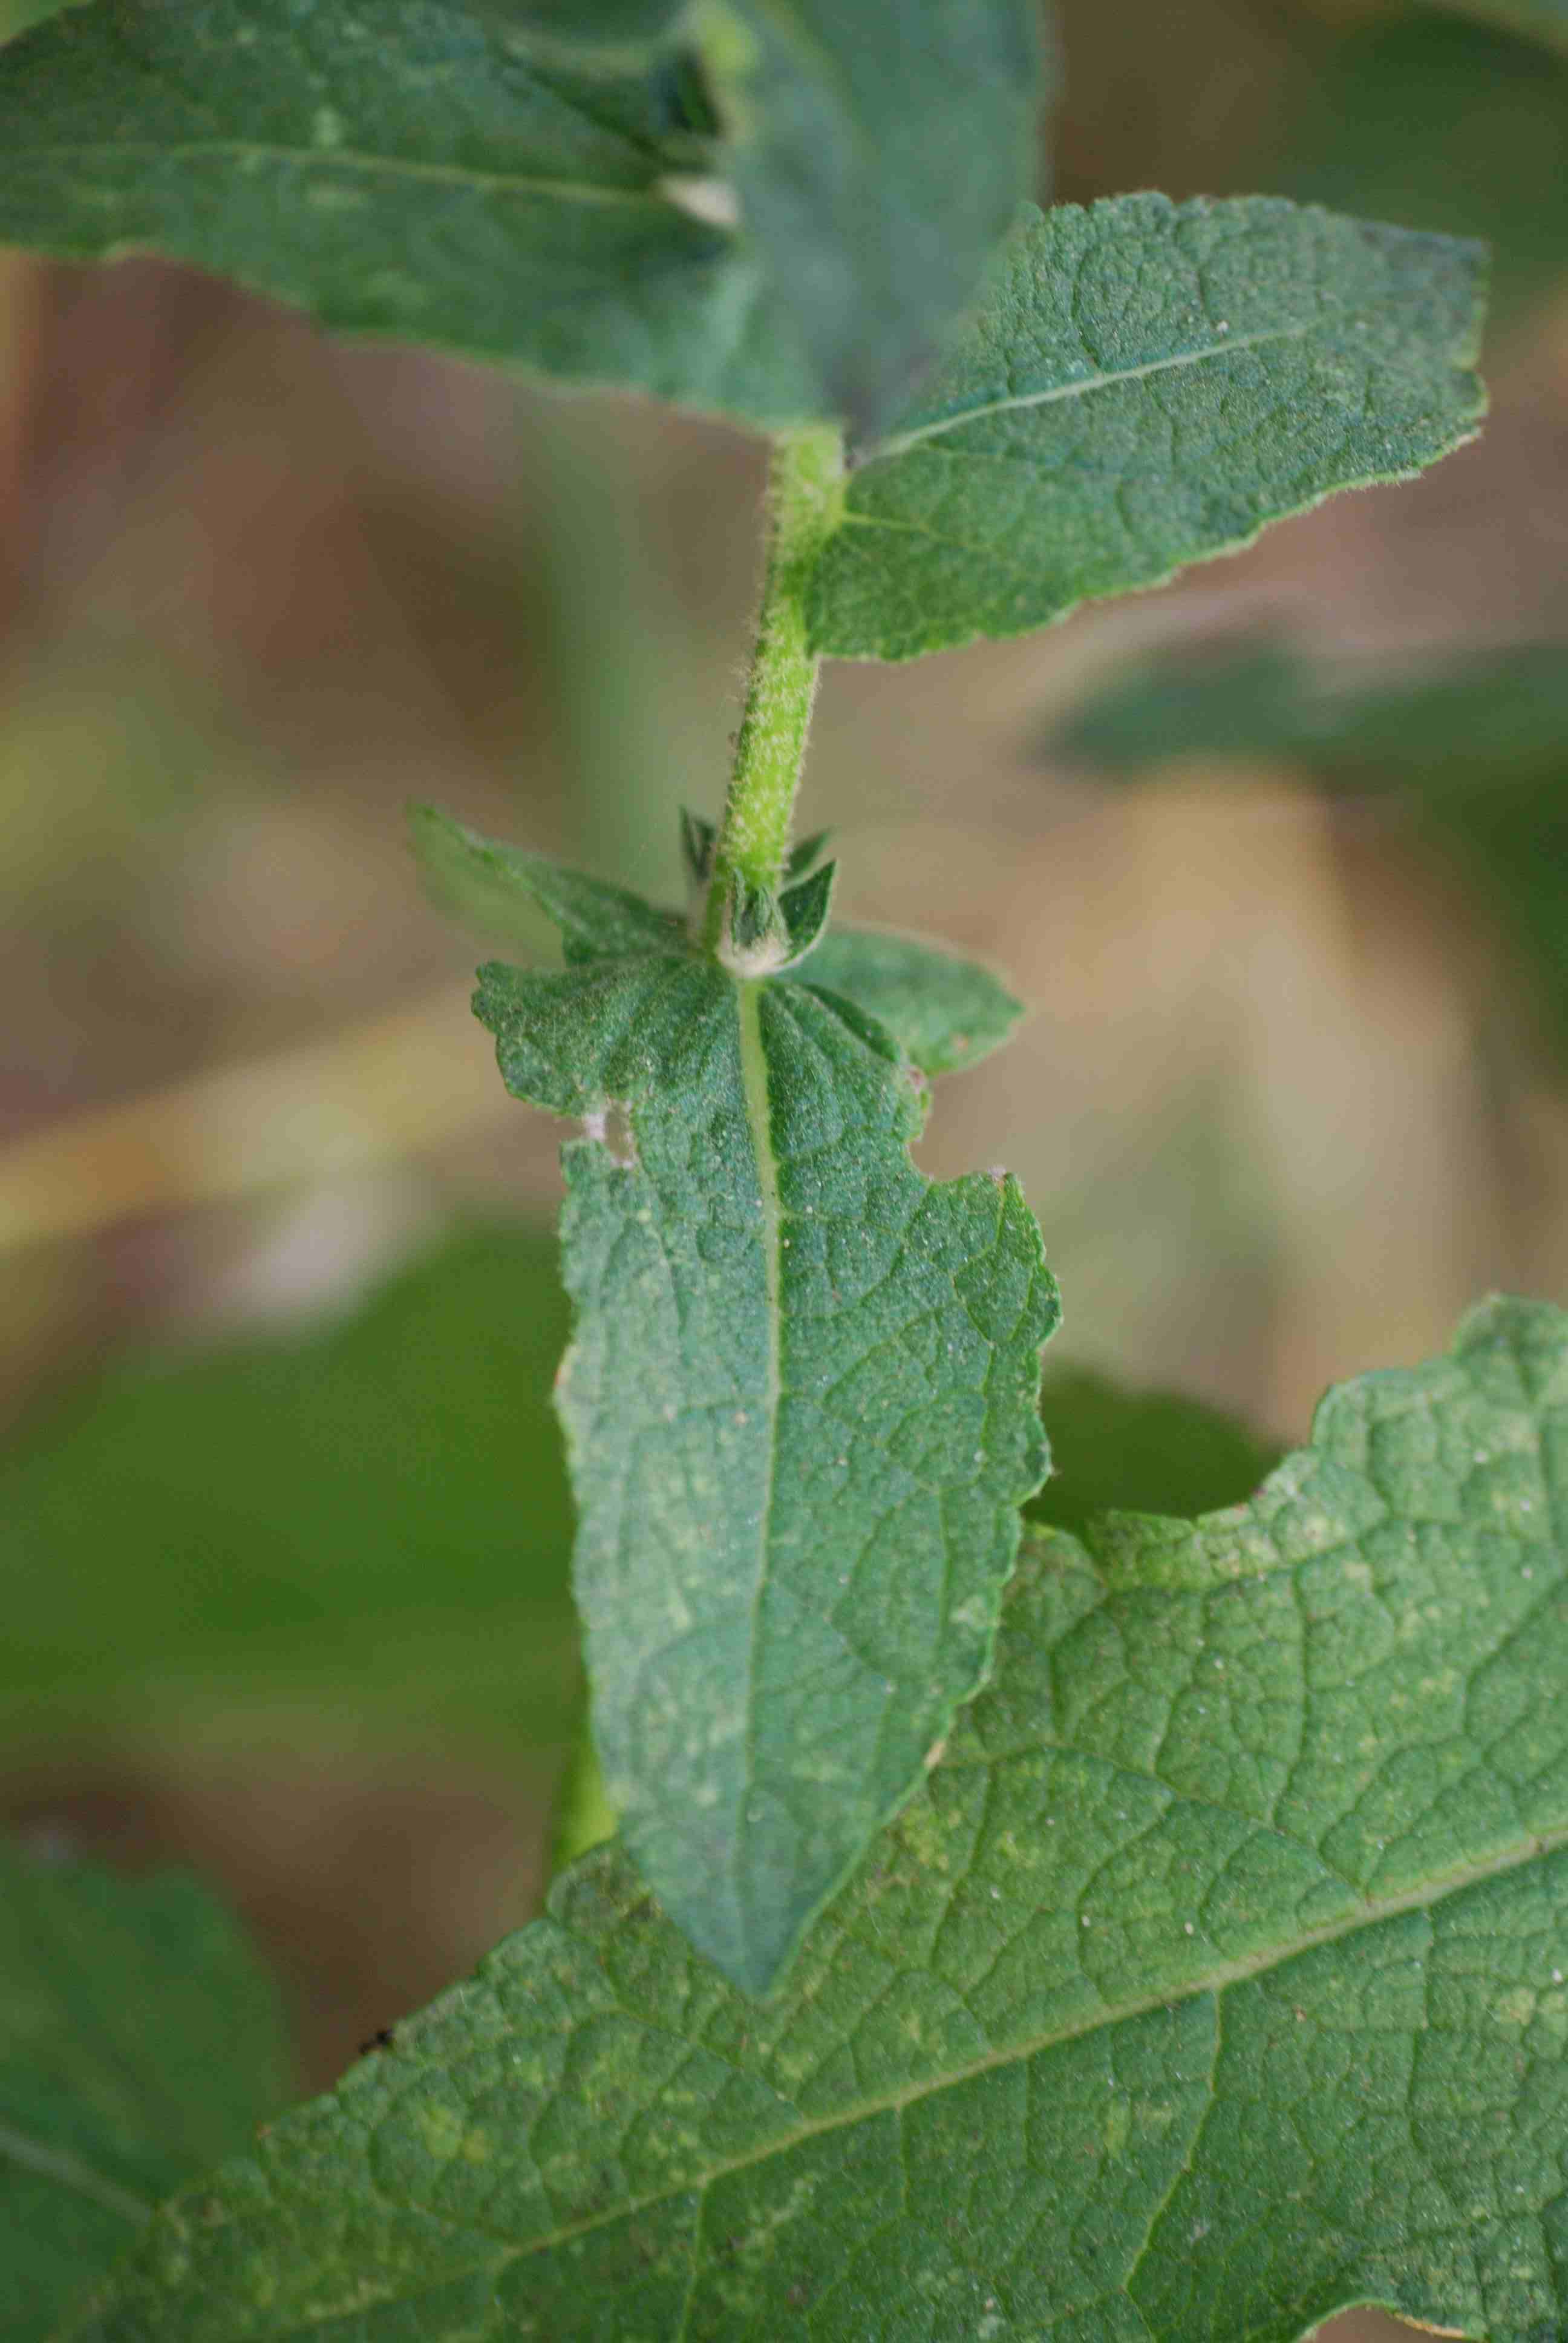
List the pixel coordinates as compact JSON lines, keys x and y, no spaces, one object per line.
{"x":1544,"y":20}
{"x":801,"y":1410}
{"x":946,"y":1013}
{"x":1478,"y":747}
{"x":1140,"y":1451}
{"x":879,"y":155}
{"x":805,"y":908}
{"x":370,"y":1526}
{"x":1149,"y":384}
{"x":408,"y":170}
{"x":1214,"y":1981}
{"x":1441,"y":124}
{"x":139,"y":2042}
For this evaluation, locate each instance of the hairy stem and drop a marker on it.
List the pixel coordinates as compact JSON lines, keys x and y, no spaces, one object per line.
{"x":804,"y":492}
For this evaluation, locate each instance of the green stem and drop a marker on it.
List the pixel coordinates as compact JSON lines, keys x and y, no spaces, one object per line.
{"x":805,"y":496}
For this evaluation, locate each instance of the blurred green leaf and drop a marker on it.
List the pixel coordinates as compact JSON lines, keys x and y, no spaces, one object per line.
{"x":140,"y":2041}
{"x":1477,"y":746}
{"x":1114,"y":1451}
{"x":1211,"y":1982}
{"x":1443,"y":124}
{"x":409,"y":170}
{"x":371,"y":1523}
{"x":879,"y":156}
{"x":1148,"y":384}
{"x":1546,"y":20}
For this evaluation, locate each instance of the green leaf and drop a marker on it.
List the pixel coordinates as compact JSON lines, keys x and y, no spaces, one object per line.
{"x":1214,"y":1981}
{"x":1441,"y":124}
{"x":407,"y":170}
{"x":800,"y":1407}
{"x":1478,"y":747}
{"x":879,"y":156}
{"x":139,"y":2042}
{"x":1140,"y":1451}
{"x":491,"y":885}
{"x":1545,"y":20}
{"x":1148,"y":384}
{"x":363,"y":1529}
{"x":946,"y":1013}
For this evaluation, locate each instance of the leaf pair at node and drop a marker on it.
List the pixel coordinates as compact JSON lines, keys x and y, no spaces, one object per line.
{"x":801,"y":1397}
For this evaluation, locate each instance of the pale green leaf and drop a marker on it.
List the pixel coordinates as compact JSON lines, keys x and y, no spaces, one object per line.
{"x":945,"y":1012}
{"x":1147,"y":385}
{"x":800,"y":1404}
{"x":410,"y":169}
{"x":139,"y":2042}
{"x":1217,"y":1978}
{"x":879,"y":155}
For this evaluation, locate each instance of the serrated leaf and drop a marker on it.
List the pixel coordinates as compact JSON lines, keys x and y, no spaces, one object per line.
{"x":1477,"y":746}
{"x":407,"y":170}
{"x":879,"y":156}
{"x":1213,"y":1981}
{"x":139,"y":2042}
{"x":800,"y":1404}
{"x":366,"y":1527}
{"x":1148,"y":384}
{"x":945,"y":1012}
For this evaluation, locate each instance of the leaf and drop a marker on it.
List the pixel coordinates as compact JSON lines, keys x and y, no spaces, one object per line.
{"x":1148,"y":384}
{"x":1478,"y":745}
{"x":365,"y":1528}
{"x":880,"y":156}
{"x":800,"y":1405}
{"x":409,"y":171}
{"x":946,"y":1013}
{"x":1545,"y":20}
{"x":139,"y":2041}
{"x":492,"y":885}
{"x":1441,"y":125}
{"x":1143,"y":1452}
{"x":1213,"y":1981}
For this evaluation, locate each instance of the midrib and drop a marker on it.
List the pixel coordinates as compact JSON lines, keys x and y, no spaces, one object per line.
{"x":69,"y":2172}
{"x":902,"y":441}
{"x":758,"y":1121}
{"x":393,"y":167}
{"x":1213,"y":1981}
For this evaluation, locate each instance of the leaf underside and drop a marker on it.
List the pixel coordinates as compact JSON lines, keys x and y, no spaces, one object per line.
{"x":1213,"y":1981}
{"x":1148,"y":384}
{"x":800,"y":1409}
{"x":139,"y":2042}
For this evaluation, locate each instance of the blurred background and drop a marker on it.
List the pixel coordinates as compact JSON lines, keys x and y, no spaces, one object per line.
{"x":1273,"y":852}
